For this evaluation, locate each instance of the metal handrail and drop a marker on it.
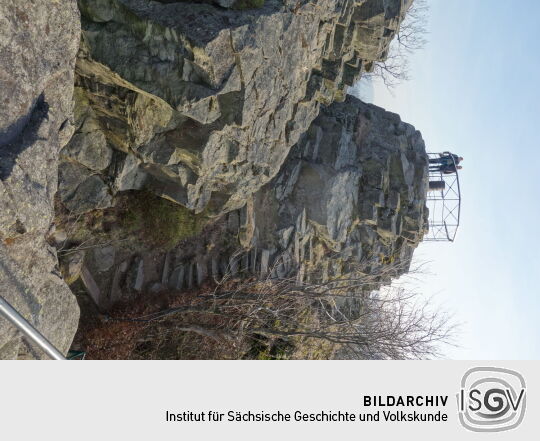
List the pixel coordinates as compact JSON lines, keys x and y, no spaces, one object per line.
{"x":29,"y":331}
{"x":447,"y":234}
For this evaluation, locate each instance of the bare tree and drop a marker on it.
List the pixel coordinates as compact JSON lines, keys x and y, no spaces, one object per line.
{"x":346,"y":316}
{"x":410,"y":37}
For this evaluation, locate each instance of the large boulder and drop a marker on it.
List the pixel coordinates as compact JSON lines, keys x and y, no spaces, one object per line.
{"x":38,"y":45}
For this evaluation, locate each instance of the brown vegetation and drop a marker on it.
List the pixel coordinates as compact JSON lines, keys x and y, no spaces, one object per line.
{"x":268,"y":318}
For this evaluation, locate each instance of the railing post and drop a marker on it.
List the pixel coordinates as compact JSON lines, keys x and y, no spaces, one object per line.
{"x":11,"y":315}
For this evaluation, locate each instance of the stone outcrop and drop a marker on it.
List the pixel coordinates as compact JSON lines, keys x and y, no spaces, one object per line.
{"x":352,"y":194}
{"x":238,"y":116}
{"x":38,"y":45}
{"x":201,"y":104}
{"x":350,"y":197}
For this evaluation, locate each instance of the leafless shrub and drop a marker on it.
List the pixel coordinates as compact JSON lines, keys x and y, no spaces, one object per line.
{"x":280,"y":318}
{"x":410,"y":37}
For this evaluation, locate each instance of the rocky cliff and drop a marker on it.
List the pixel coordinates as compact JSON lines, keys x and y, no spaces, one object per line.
{"x":350,"y":195}
{"x":38,"y":44}
{"x":201,"y":104}
{"x":352,"y":191}
{"x":206,"y":138}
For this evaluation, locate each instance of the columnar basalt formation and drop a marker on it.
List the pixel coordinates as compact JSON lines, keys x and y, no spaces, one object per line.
{"x":350,"y":198}
{"x":38,"y":44}
{"x":352,"y":194}
{"x":201,"y":104}
{"x":176,"y":142}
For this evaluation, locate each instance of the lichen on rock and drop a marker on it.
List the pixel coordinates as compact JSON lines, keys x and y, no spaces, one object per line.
{"x":38,"y":45}
{"x":194,"y":140}
{"x":352,"y":190}
{"x":208,"y":101}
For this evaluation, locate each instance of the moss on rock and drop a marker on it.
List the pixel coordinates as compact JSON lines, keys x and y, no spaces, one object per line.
{"x":161,"y":223}
{"x":248,"y":4}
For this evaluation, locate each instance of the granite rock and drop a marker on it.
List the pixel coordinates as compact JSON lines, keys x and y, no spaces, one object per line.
{"x":38,"y":45}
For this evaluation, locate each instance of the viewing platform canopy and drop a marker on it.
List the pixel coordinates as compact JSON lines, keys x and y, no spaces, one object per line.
{"x":443,"y":199}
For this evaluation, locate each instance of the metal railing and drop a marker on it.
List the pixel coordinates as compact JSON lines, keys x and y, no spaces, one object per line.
{"x":30,"y":332}
{"x":444,"y":204}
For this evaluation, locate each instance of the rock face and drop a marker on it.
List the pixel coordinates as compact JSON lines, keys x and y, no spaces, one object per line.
{"x":38,"y":45}
{"x":213,"y":105}
{"x":201,"y":104}
{"x":351,"y":195}
{"x":353,"y":190}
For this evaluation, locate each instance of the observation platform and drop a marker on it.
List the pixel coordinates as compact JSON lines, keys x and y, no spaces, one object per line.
{"x":443,"y":199}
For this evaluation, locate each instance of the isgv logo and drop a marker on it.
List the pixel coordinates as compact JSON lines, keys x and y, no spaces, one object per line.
{"x":491,"y":399}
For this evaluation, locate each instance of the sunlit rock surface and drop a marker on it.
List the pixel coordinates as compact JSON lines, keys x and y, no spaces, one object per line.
{"x":38,"y":44}
{"x":351,"y":193}
{"x":201,"y":104}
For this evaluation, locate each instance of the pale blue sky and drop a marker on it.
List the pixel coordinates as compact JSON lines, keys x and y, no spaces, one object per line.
{"x":475,"y":90}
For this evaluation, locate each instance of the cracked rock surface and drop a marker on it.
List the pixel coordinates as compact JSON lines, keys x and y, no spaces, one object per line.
{"x":38,"y":45}
{"x":201,"y":104}
{"x":352,"y":193}
{"x":352,"y":190}
{"x":238,"y":117}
